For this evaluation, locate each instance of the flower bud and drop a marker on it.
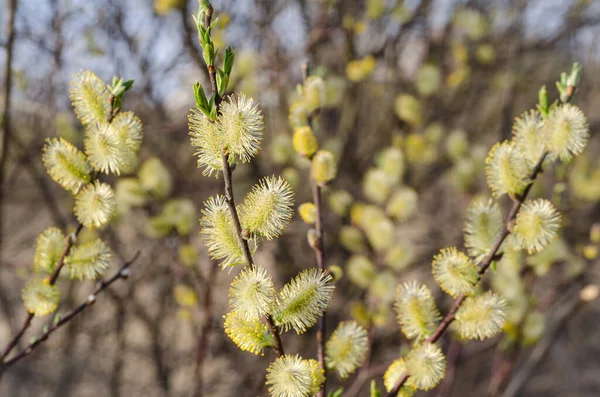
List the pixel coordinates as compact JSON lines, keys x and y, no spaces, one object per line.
{"x":308,"y":212}
{"x":324,"y":167}
{"x":314,"y":93}
{"x":305,"y":142}
{"x":313,"y":239}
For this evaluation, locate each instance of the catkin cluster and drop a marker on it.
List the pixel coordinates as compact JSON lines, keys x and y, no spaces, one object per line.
{"x":110,"y":145}
{"x":556,"y":132}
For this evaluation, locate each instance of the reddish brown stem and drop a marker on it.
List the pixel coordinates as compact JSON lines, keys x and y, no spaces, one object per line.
{"x":123,"y":273}
{"x":68,"y":245}
{"x":484,"y":265}
{"x":319,"y":249}
{"x":229,"y":197}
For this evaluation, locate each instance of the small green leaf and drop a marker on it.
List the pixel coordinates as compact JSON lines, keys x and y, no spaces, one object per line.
{"x":335,"y":393}
{"x":200,"y":96}
{"x":374,"y":390}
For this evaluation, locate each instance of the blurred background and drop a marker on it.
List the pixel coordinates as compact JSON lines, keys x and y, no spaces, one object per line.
{"x":438,"y":81}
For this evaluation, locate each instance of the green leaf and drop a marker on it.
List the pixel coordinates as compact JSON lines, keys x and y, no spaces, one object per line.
{"x":335,"y":393}
{"x":374,"y":390}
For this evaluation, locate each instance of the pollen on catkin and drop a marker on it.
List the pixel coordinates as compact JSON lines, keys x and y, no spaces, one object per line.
{"x":308,"y":212}
{"x":481,"y":317}
{"x":241,"y":125}
{"x":206,"y":137}
{"x":303,"y":300}
{"x":528,"y":136}
{"x":324,"y":167}
{"x":66,"y":164}
{"x":249,"y":335}
{"x":304,"y":141}
{"x":95,"y":205}
{"x":88,"y":261}
{"x":360,"y":270}
{"x":454,"y":272}
{"x":219,"y":234}
{"x":403,"y":203}
{"x":106,"y":150}
{"x":252,"y":293}
{"x":40,"y":298}
{"x":377,"y":185}
{"x":268,"y":208}
{"x":566,"y":132}
{"x":339,"y":202}
{"x":417,"y":313}
{"x":90,"y":97}
{"x":292,"y":376}
{"x":317,"y":375}
{"x":393,"y":375}
{"x":482,"y":227}
{"x":391,"y":161}
{"x":352,"y":239}
{"x":314,"y":93}
{"x":50,"y":246}
{"x":346,"y":348}
{"x":506,"y":169}
{"x":536,"y":225}
{"x":426,"y":365}
{"x":129,"y":127}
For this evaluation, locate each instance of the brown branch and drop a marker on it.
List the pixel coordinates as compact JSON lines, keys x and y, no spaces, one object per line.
{"x":229,"y":197}
{"x":453,"y":356}
{"x":483,"y":266}
{"x":68,"y":245}
{"x":202,"y":346}
{"x":5,"y":120}
{"x":123,"y":273}
{"x":319,"y":249}
{"x":562,"y":313}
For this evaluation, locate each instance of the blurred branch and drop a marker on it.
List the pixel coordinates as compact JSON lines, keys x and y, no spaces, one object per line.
{"x":454,"y":352}
{"x":188,"y":37}
{"x":5,"y":109}
{"x":203,"y":334}
{"x":319,"y":249}
{"x":483,"y":266}
{"x":70,"y":240}
{"x":563,"y":313}
{"x":123,"y":273}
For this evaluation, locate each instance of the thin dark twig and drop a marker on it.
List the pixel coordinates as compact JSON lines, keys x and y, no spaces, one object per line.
{"x":319,"y":249}
{"x":123,"y":273}
{"x":5,"y":120}
{"x":202,"y":346}
{"x":68,"y":245}
{"x":229,"y":197}
{"x":484,"y":265}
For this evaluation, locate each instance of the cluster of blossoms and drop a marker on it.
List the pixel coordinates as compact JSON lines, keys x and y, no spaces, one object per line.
{"x":112,"y":140}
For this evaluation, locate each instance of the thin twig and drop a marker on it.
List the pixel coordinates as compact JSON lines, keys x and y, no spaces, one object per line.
{"x":229,"y":197}
{"x":123,"y":273}
{"x":453,"y":356}
{"x":203,"y":334}
{"x":319,"y":249}
{"x":562,"y":313}
{"x":5,"y":120}
{"x":68,"y":245}
{"x":484,"y":265}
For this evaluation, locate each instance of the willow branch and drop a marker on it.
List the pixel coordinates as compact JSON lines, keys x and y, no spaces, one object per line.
{"x":230,"y":198}
{"x":123,"y":273}
{"x":319,"y":249}
{"x":70,"y":240}
{"x":202,"y":345}
{"x":5,"y":125}
{"x":484,"y":265}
